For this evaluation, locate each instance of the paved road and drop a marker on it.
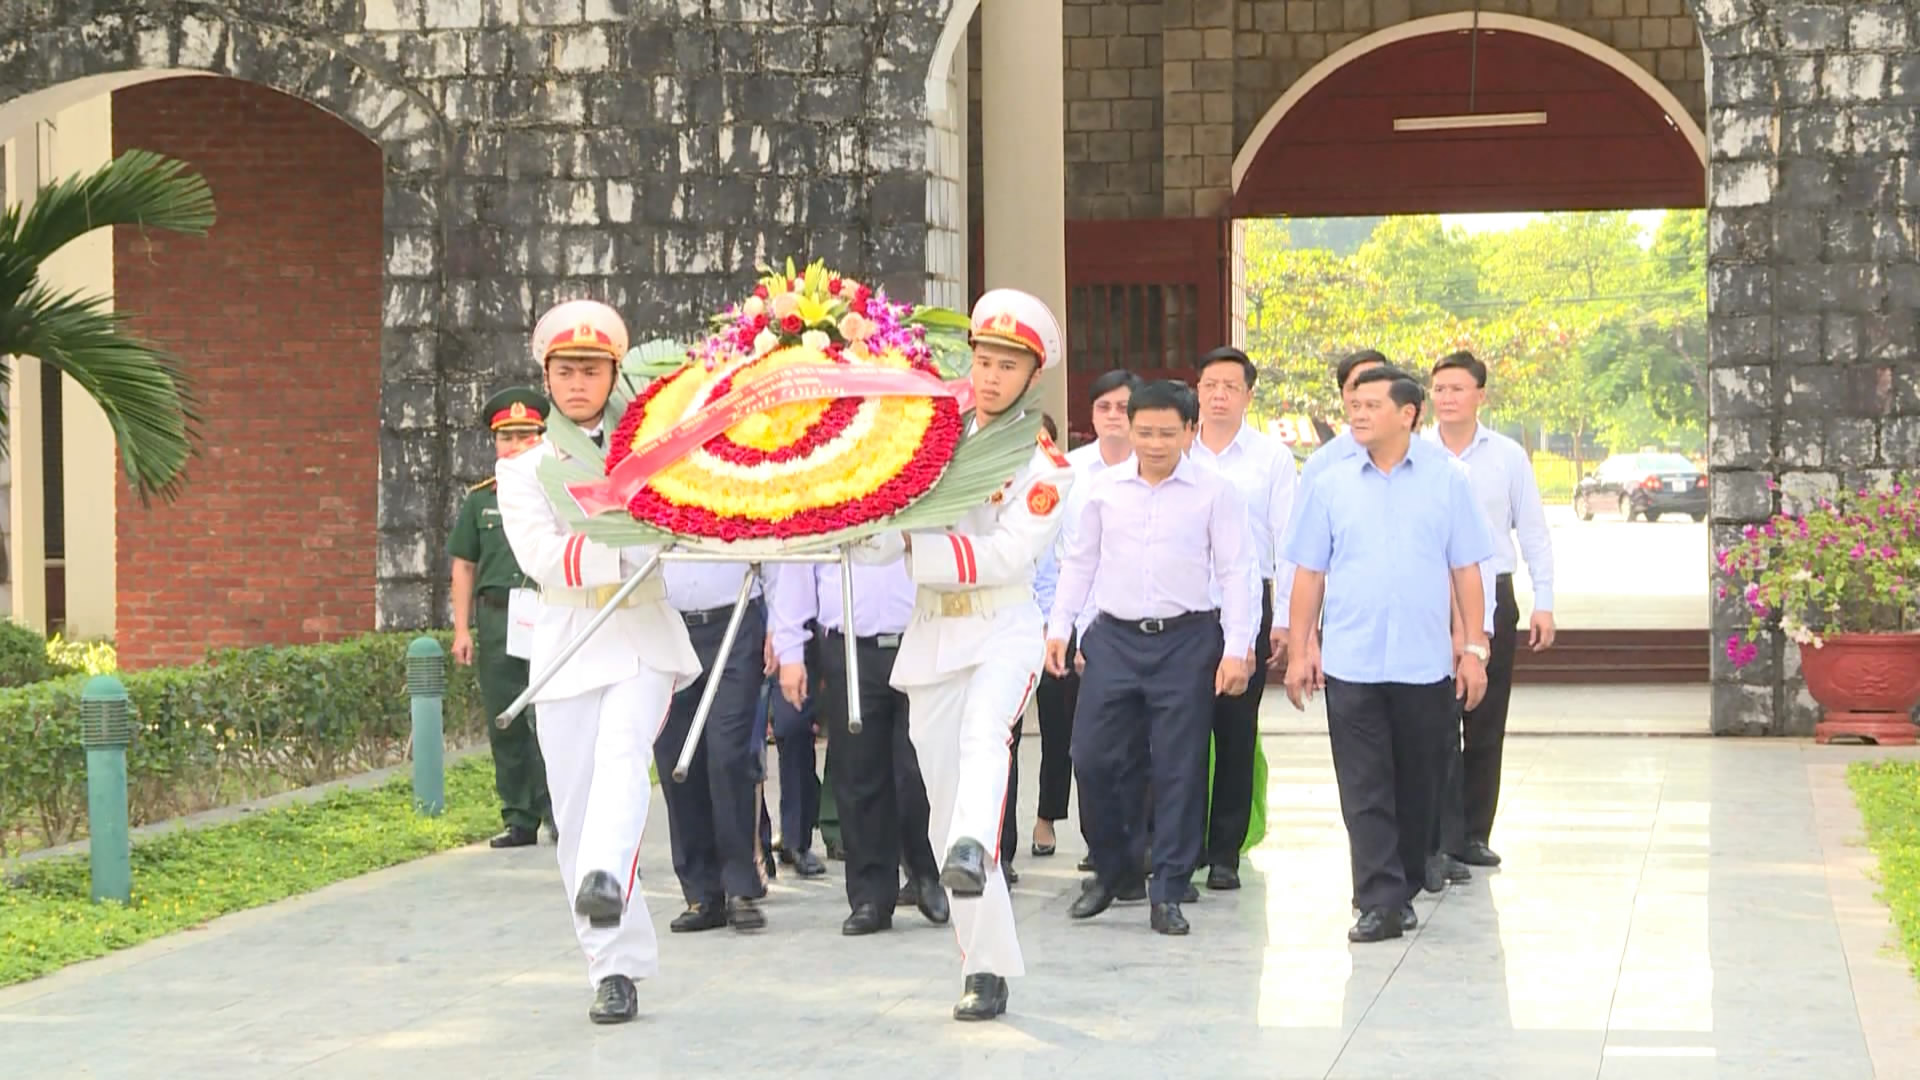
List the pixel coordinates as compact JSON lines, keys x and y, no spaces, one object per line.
{"x":1612,"y":575}
{"x":1670,"y":908}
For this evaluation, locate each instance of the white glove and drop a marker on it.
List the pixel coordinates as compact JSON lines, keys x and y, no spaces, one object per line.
{"x":880,"y":549}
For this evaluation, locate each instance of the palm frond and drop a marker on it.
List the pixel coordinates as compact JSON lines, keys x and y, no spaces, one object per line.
{"x":147,"y":399}
{"x":645,"y":363}
{"x":137,"y":188}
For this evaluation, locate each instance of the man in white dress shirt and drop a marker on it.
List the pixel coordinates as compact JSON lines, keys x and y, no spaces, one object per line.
{"x":1059,"y":694}
{"x":1262,"y":470}
{"x":1153,"y":538}
{"x":711,"y":816}
{"x":881,"y":797}
{"x":1504,"y":485}
{"x":600,"y":713}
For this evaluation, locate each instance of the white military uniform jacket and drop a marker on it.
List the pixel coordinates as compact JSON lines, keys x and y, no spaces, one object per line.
{"x":975,"y":582}
{"x":577,"y":577}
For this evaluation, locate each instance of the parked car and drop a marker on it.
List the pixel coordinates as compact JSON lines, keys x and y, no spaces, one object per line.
{"x":1643,"y":485}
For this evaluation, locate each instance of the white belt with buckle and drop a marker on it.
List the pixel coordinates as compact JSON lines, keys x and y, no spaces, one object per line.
{"x":596,"y":598}
{"x":928,"y":604}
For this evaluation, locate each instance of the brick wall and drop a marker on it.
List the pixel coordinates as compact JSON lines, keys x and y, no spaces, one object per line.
{"x":276,"y":314}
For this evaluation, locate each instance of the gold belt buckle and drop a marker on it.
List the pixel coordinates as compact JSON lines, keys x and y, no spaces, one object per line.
{"x":598,"y":597}
{"x":956,"y":605}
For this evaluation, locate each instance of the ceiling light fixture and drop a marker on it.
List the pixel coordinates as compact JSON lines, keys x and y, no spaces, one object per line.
{"x":1469,"y":120}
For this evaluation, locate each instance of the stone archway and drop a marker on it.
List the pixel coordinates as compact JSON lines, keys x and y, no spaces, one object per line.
{"x":46,"y":67}
{"x":1620,"y":136}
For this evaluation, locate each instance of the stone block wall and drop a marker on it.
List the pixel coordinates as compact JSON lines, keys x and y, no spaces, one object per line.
{"x":1161,"y":94}
{"x":1814,"y":284}
{"x":644,"y":152}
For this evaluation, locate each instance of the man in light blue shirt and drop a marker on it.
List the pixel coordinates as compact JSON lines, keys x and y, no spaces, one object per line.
{"x":1382,"y":538}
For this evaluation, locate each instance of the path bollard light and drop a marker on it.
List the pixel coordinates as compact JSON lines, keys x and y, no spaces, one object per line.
{"x":106,"y":727}
{"x":427,"y":684}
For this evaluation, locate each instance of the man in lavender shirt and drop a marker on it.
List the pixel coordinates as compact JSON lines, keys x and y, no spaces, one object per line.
{"x":1154,"y":536}
{"x":878,"y":790}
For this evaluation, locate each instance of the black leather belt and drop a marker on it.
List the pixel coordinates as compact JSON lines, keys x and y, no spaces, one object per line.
{"x":877,"y":641}
{"x":1161,"y":626}
{"x":708,"y":617}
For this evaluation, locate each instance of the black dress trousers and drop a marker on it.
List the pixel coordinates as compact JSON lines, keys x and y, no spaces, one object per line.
{"x":1389,"y":742}
{"x":711,"y":817}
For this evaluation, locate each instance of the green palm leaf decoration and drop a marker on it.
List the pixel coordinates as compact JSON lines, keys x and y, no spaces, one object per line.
{"x":141,"y":388}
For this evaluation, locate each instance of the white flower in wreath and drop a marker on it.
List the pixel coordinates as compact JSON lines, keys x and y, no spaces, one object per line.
{"x":765,"y":343}
{"x":816,"y":340}
{"x":755,"y":307}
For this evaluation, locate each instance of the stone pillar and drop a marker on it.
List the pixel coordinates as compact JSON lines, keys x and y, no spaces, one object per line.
{"x":26,"y":546}
{"x":1813,"y":285}
{"x":947,"y":261}
{"x":1197,"y":81}
{"x":89,"y":464}
{"x":1023,"y":166}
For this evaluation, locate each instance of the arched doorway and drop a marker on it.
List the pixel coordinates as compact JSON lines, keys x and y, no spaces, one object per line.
{"x":1460,"y":114}
{"x":302,"y":318}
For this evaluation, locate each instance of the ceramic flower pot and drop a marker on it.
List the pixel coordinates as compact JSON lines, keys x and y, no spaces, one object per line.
{"x":1867,"y":683}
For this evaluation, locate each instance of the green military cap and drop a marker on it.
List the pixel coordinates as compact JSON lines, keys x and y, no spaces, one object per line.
{"x":517,"y":407}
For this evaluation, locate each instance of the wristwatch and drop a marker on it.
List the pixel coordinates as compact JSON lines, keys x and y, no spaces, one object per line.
{"x":1478,"y":652}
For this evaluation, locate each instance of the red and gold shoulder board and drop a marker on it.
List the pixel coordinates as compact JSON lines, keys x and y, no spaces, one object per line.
{"x":1053,"y":452}
{"x":1042,"y":499}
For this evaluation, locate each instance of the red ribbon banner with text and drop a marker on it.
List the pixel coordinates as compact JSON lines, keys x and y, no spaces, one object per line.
{"x":787,"y":386}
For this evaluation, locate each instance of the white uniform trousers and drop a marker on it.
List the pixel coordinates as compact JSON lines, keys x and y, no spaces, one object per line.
{"x":597,"y":747}
{"x":962,"y":727}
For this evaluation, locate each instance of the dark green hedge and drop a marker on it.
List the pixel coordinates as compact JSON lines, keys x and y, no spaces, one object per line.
{"x":247,"y":723}
{"x":23,"y":657}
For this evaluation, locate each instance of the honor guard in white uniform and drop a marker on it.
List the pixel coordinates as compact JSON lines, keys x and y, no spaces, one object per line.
{"x":972,"y":655}
{"x":599,"y":715}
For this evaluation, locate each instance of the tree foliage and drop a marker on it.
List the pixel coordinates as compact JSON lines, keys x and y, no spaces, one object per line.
{"x":1588,"y":330}
{"x":141,"y":388}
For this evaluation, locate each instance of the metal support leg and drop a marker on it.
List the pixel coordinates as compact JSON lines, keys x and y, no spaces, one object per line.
{"x":853,"y":646}
{"x":714,"y":675}
{"x":580,"y":640}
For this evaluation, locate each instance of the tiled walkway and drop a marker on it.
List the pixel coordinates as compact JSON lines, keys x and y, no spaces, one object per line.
{"x":1668,"y":909}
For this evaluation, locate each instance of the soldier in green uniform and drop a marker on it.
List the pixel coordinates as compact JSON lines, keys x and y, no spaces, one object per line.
{"x":485,"y":576}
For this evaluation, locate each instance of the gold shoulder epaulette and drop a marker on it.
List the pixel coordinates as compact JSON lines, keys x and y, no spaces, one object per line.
{"x":488,"y":482}
{"x":1048,"y":447}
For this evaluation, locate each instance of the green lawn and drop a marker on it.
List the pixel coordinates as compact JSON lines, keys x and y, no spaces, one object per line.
{"x":1889,"y":796}
{"x":184,"y":879}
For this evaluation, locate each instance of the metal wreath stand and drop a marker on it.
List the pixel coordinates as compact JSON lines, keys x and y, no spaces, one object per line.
{"x":667,"y":554}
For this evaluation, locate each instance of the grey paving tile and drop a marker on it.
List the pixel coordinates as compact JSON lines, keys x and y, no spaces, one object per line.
{"x":1663,"y":913}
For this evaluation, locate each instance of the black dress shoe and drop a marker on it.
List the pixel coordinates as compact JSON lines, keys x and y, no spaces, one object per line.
{"x":1436,"y":874}
{"x":1457,"y":872}
{"x":515,"y":836}
{"x":1477,"y":853}
{"x":744,"y":914}
{"x":1191,"y":895}
{"x":1095,"y":897}
{"x":600,"y":899}
{"x":769,"y":866}
{"x":1167,"y":919}
{"x":1379,"y":924}
{"x":1223,"y":877}
{"x":1013,"y":876}
{"x":1408,"y":920}
{"x":807,"y":864}
{"x":699,"y":916}
{"x":1041,"y":851}
{"x":614,"y":1002}
{"x":1086,"y":865}
{"x":965,"y":871}
{"x":984,"y":997}
{"x":867,"y":919}
{"x":931,"y":899}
